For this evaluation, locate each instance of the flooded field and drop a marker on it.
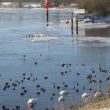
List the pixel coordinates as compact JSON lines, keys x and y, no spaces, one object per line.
{"x":42,"y":67}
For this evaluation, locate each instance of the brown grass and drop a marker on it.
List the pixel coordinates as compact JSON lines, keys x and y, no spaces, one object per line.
{"x":97,"y":104}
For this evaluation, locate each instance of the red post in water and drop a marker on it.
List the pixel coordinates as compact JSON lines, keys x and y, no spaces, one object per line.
{"x":47,"y":13}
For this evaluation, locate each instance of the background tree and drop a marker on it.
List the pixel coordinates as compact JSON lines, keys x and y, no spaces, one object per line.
{"x":20,"y":3}
{"x":0,"y":2}
{"x":95,"y":7}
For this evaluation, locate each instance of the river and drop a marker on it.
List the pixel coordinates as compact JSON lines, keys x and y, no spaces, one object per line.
{"x":42,"y":60}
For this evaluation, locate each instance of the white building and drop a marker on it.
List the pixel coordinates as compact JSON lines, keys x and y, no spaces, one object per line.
{"x":79,"y":11}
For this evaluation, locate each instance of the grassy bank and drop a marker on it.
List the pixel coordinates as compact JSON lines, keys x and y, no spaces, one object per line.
{"x":98,"y":104}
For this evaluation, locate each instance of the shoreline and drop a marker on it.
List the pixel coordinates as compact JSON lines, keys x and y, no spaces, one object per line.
{"x":103,"y":104}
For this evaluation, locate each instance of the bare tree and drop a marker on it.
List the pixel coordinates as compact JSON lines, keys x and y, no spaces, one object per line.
{"x":20,"y":3}
{"x":0,"y":2}
{"x":95,"y":7}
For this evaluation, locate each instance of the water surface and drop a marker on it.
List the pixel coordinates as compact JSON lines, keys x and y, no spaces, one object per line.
{"x":91,"y":47}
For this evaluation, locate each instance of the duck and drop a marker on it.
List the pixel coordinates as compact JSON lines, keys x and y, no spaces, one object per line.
{"x":97,"y":94}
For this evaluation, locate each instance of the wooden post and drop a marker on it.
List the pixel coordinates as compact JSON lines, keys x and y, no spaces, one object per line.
{"x":77,"y":25}
{"x":72,"y":24}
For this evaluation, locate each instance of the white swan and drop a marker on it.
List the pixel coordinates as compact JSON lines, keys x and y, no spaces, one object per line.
{"x":61,"y":99}
{"x":63,"y":92}
{"x":32,"y":101}
{"x":84,"y":95}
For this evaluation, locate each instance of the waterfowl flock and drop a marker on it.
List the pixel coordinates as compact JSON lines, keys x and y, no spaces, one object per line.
{"x":87,"y":86}
{"x":39,"y":37}
{"x":36,"y":36}
{"x":59,"y":91}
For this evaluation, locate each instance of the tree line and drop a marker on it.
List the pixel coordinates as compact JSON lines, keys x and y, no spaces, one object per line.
{"x":95,"y":7}
{"x":40,"y":1}
{"x":52,"y":3}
